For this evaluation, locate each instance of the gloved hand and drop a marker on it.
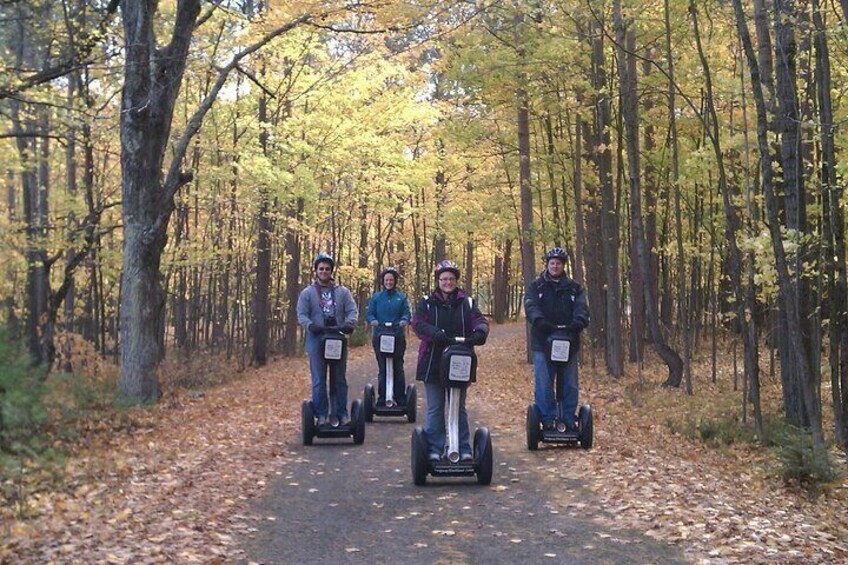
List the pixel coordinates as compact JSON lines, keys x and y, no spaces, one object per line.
{"x":316,"y":328}
{"x":403,"y":323}
{"x":375,"y":323}
{"x":347,"y":329}
{"x":478,"y":337}
{"x":544,"y":326}
{"x":575,"y":327}
{"x":440,"y":338}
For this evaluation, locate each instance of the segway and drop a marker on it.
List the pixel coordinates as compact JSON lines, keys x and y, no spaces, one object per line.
{"x":333,"y":345}
{"x":458,"y":370}
{"x":558,"y":352}
{"x":390,"y":407}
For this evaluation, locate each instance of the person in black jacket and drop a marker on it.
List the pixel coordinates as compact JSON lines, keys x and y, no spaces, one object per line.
{"x":554,"y":300}
{"x":446,"y":313}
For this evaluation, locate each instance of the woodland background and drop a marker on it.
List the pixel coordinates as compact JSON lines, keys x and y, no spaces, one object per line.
{"x":172,"y":168}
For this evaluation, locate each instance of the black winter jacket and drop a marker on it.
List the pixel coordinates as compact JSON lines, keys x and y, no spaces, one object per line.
{"x":562,"y":303}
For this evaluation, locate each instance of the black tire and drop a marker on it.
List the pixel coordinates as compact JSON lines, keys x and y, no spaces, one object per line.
{"x":483,"y":456}
{"x":419,"y":456}
{"x":584,"y":416}
{"x":307,"y":422}
{"x":411,"y":403}
{"x":368,"y":402}
{"x":534,"y":428}
{"x":357,"y":422}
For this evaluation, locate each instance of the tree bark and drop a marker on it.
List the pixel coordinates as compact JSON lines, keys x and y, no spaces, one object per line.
{"x":152,"y":79}
{"x":630,"y":112}
{"x":294,"y":215}
{"x":834,"y":230}
{"x":613,"y":342}
{"x":781,"y":263}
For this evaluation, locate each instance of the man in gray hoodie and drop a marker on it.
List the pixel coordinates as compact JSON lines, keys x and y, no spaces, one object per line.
{"x":321,"y":307}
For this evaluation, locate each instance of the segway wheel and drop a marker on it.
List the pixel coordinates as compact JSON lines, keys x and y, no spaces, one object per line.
{"x":419,"y":456}
{"x":357,"y":422}
{"x":368,"y":403}
{"x":534,"y":428}
{"x":584,"y":416}
{"x":307,"y":422}
{"x":483,"y":456}
{"x":411,"y":403}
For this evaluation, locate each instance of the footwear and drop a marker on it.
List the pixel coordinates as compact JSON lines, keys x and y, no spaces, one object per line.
{"x":322,"y":420}
{"x":344,"y":420}
{"x":466,"y":457}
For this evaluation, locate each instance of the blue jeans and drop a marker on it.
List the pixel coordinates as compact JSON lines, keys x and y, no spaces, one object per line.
{"x":318,"y":372}
{"x":398,"y":376}
{"x":435,"y":428}
{"x":545,"y":391}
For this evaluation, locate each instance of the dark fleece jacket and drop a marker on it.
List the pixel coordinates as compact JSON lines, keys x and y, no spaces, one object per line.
{"x":456,"y":314}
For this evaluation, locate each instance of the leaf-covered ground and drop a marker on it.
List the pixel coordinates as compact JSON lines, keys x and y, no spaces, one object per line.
{"x":173,"y":483}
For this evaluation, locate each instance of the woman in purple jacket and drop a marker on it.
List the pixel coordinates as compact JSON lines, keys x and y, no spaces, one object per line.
{"x":446,"y":313}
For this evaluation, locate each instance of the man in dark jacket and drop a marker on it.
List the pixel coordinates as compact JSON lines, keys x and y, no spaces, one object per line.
{"x":446,"y":313}
{"x":554,"y":300}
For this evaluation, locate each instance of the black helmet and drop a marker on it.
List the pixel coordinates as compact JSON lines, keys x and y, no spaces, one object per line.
{"x":387,"y":271}
{"x":555,"y":253}
{"x":324,"y":258}
{"x":446,"y":265}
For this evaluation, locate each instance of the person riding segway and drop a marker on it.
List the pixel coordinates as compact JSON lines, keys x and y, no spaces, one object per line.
{"x":388,"y":315}
{"x":556,"y":307}
{"x":328,"y":313}
{"x":449,"y":325}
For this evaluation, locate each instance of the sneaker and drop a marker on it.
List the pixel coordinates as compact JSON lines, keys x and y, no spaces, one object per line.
{"x":322,"y":420}
{"x":344,"y":420}
{"x":466,"y":457}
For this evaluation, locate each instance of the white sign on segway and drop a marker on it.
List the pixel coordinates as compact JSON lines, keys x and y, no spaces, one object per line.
{"x":560,"y":350}
{"x":460,"y":368}
{"x":332,"y":349}
{"x":387,"y":344}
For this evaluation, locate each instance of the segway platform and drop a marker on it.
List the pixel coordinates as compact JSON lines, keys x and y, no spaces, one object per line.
{"x":372,"y":408}
{"x":355,"y":429}
{"x":582,"y":436}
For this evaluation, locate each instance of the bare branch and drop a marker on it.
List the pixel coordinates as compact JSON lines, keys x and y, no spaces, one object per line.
{"x":75,"y":61}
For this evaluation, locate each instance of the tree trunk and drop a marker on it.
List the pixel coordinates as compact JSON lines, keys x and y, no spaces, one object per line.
{"x":630,"y":114}
{"x":294,"y":215}
{"x":834,"y":230}
{"x":732,"y":223}
{"x":683,"y":319}
{"x":787,"y":305}
{"x":152,"y":78}
{"x":798,"y":385}
{"x":613,"y":342}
